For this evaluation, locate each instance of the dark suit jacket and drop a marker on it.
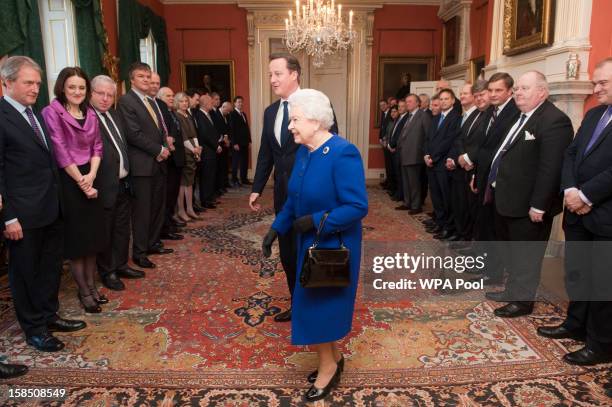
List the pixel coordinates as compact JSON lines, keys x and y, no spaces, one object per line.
{"x":29,"y":178}
{"x":240,"y":132}
{"x":440,"y":140}
{"x":395,"y":135}
{"x":144,"y":138}
{"x":208,"y":137}
{"x":465,"y":132}
{"x":108,"y":173}
{"x":272,"y":155}
{"x":591,"y":173}
{"x":529,"y":174}
{"x":177,"y":157}
{"x":412,"y":138}
{"x":491,"y":142}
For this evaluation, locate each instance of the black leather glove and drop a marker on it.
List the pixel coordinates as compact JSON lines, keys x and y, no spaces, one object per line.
{"x":303,"y":224}
{"x":266,"y":245}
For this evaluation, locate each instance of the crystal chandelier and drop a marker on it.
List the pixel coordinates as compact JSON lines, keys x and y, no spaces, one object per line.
{"x":318,"y":29}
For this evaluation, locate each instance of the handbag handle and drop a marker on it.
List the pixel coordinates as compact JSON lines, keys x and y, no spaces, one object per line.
{"x":320,"y":228}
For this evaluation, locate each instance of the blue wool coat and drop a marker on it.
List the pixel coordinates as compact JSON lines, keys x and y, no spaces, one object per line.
{"x":331,"y":178}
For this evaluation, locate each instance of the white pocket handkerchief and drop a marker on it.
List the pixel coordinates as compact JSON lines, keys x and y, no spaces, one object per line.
{"x":529,"y":136}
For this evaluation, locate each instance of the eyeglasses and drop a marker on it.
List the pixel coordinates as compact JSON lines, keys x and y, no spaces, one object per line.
{"x":104,"y":94}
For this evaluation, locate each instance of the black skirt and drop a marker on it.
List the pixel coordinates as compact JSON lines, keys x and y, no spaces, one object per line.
{"x":83,"y":218}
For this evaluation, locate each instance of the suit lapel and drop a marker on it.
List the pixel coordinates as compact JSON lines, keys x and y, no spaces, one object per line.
{"x":18,"y":120}
{"x":272,"y":121}
{"x":606,"y":132}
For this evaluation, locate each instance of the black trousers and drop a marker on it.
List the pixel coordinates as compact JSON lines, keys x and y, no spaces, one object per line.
{"x":208,"y":173}
{"x":411,"y":186}
{"x":389,"y":169}
{"x":222,"y":170}
{"x":485,"y":237}
{"x":148,"y":210}
{"x":523,"y":256}
{"x":397,"y":170}
{"x":588,"y":280}
{"x":460,"y":203}
{"x":288,"y":255}
{"x":117,"y":227}
{"x":240,"y":159}
{"x":439,"y":188}
{"x":35,"y":266}
{"x":173,"y":184}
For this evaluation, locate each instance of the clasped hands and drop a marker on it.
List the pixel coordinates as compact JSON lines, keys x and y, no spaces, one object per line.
{"x":575,"y":204}
{"x":86,"y":185}
{"x":165,"y":153}
{"x":300,"y":225}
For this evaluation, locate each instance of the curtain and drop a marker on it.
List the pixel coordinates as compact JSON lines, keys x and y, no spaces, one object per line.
{"x":91,"y":34}
{"x":135,"y":22}
{"x":21,"y":35}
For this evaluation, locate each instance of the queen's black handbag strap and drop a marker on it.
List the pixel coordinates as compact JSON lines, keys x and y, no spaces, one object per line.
{"x":320,"y":228}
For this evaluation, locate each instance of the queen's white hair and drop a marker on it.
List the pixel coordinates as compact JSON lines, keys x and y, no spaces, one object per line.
{"x":315,"y":106}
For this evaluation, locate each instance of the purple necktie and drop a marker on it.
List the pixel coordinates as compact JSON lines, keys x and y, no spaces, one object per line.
{"x":603,"y":123}
{"x":34,"y":125}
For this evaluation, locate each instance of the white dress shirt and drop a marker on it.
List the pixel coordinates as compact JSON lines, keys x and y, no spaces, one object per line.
{"x":279,"y":119}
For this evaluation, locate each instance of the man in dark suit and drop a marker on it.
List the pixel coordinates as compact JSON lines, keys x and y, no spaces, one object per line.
{"x":458,"y":176}
{"x":277,"y":151}
{"x":587,"y":185}
{"x":147,"y":152}
{"x":31,"y":210}
{"x":410,"y":153}
{"x":385,"y":117}
{"x":502,"y":114}
{"x":466,"y":146}
{"x":223,"y":129}
{"x":523,"y":183}
{"x":398,"y":193}
{"x":440,"y":138}
{"x":114,"y":183}
{"x":239,"y":142}
{"x":208,"y":138}
{"x":164,"y":100}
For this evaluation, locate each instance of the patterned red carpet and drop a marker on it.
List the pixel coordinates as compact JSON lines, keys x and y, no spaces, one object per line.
{"x":199,"y":330}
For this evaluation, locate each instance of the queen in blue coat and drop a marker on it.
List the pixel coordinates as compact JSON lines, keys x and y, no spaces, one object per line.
{"x":328,"y":176}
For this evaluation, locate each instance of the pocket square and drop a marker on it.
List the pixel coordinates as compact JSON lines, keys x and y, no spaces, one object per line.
{"x":529,"y":136}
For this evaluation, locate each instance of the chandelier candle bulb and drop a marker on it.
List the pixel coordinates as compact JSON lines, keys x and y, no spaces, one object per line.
{"x":286,"y":24}
{"x":290,"y":17}
{"x":350,"y":20}
{"x":297,"y":9}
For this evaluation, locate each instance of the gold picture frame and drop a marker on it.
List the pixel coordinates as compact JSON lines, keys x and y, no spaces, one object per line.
{"x":450,"y":41}
{"x":222,"y":73}
{"x":391,"y":69}
{"x":528,"y":25}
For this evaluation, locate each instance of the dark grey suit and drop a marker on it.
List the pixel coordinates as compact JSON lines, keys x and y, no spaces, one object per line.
{"x":410,"y":152}
{"x":145,"y":141}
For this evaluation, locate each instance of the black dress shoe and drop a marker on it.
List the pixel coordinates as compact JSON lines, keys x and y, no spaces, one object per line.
{"x":415,"y":211}
{"x":513,"y":310}
{"x":313,"y":376}
{"x":434,"y":230}
{"x":112,"y":282}
{"x":452,"y":238}
{"x":179,"y":224}
{"x":172,"y":236}
{"x":429,"y":222}
{"x":609,"y":392}
{"x":587,"y":357}
{"x":314,"y":393}
{"x":8,"y":370}
{"x":66,"y":325}
{"x":209,"y":205}
{"x":246,"y":182}
{"x":402,"y":208}
{"x":160,"y":250}
{"x":488,"y":280}
{"x":560,"y":332}
{"x":283,"y":316}
{"x":45,"y":342}
{"x":144,"y":263}
{"x":198,"y":209}
{"x":130,"y":273}
{"x":442,"y":235}
{"x":499,"y":296}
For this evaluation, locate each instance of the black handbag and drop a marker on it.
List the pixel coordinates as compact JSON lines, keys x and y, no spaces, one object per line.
{"x":323,"y":268}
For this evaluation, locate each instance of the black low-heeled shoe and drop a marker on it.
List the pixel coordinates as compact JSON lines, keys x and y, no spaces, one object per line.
{"x":99,"y":298}
{"x":91,"y":309}
{"x":314,"y":393}
{"x":313,"y":376}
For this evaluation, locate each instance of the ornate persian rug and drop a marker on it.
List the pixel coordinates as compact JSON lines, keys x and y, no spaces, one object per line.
{"x":199,"y":330}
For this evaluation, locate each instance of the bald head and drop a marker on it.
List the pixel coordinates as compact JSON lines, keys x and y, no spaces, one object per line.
{"x":167,"y":95}
{"x":226,"y":107}
{"x":531,"y":89}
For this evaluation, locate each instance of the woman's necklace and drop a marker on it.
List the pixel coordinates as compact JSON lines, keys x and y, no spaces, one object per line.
{"x":77,"y":115}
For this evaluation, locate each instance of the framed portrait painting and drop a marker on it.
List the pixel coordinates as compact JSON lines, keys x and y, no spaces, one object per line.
{"x":215,"y":76}
{"x":450,"y":41}
{"x":528,"y":25}
{"x":396,"y":72}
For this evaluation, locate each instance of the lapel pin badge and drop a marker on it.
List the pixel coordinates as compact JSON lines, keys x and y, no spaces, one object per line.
{"x":326,"y":150}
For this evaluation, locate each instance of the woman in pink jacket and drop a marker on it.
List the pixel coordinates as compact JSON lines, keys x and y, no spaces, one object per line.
{"x":75,"y":134}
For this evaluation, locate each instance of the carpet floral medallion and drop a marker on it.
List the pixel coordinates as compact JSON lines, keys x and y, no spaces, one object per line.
{"x":199,"y":330}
